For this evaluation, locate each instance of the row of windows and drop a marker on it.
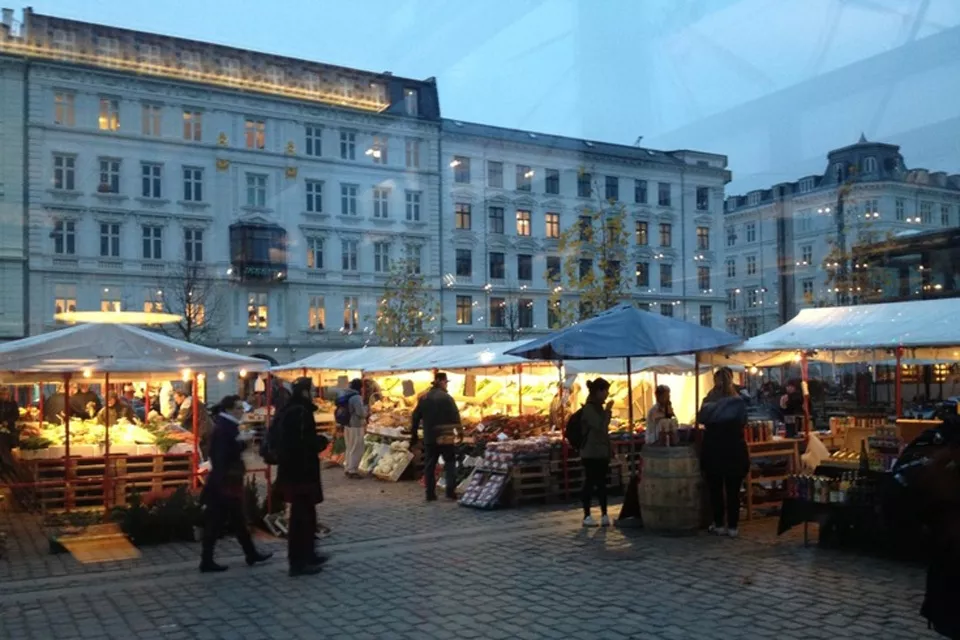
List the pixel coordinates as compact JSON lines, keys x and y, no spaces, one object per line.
{"x":518,"y":314}
{"x":463,"y":220}
{"x":496,"y":269}
{"x":254,"y":130}
{"x":64,"y":237}
{"x":255,"y":188}
{"x":524,"y":176}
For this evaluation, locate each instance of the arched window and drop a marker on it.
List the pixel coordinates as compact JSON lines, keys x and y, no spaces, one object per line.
{"x":869,"y":165}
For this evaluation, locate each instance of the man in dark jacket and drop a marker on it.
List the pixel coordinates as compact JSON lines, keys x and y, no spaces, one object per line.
{"x":223,"y":492}
{"x":298,"y":454}
{"x":441,"y":427}
{"x":114,"y":411}
{"x":83,"y":400}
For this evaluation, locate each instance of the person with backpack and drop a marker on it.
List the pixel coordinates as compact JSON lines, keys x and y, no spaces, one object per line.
{"x":438,"y":412}
{"x":351,"y":416}
{"x":294,"y":445}
{"x":589,"y":431}
{"x":724,"y":458}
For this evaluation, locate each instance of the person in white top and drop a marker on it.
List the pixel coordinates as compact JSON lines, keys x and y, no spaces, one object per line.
{"x":659,"y":413}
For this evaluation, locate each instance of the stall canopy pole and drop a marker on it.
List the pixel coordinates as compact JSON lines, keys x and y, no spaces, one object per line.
{"x":898,"y":379}
{"x":146,"y":400}
{"x":520,"y":389}
{"x":195,"y":415}
{"x":67,"y":467}
{"x":563,"y":440}
{"x":106,"y":442}
{"x":40,"y":402}
{"x":633,"y":439}
{"x":805,"y":375}
{"x":269,"y":395}
{"x":696,"y":385}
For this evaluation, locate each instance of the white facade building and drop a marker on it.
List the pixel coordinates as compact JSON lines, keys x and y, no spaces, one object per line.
{"x":136,"y":169}
{"x":290,"y":186}
{"x":778,"y":239}
{"x":13,"y":253}
{"x":510,"y":193}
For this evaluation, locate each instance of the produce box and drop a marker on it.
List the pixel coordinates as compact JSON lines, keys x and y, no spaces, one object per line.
{"x":392,"y":465}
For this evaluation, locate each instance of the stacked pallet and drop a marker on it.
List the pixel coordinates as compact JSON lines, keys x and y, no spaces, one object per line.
{"x":128,"y":475}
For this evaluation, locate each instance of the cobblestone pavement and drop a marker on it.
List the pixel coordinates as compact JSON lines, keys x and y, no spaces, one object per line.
{"x":405,"y":569}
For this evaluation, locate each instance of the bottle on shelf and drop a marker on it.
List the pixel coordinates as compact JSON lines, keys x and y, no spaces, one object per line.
{"x":864,"y":458}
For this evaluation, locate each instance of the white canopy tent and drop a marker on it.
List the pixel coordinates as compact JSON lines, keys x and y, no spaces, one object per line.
{"x":123,"y":351}
{"x":924,"y":329}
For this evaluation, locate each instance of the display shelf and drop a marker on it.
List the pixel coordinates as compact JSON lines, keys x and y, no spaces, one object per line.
{"x":786,"y":448}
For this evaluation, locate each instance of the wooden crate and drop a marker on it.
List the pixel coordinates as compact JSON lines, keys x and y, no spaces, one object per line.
{"x":530,"y":482}
{"x":128,"y":474}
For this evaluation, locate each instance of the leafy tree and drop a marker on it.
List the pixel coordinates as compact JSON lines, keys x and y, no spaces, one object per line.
{"x":408,"y":310}
{"x":187,"y":291}
{"x":593,"y":252}
{"x":849,"y":277}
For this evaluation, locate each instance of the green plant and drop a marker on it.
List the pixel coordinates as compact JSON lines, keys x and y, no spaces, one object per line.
{"x":164,"y":518}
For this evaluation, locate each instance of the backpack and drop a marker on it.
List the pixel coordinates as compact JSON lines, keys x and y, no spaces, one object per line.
{"x":573,"y":431}
{"x":342,"y":412}
{"x":273,"y":440}
{"x":270,"y":445}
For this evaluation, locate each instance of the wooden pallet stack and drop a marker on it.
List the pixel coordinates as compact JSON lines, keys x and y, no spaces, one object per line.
{"x":575,"y":476}
{"x":129,"y":475}
{"x":530,"y":483}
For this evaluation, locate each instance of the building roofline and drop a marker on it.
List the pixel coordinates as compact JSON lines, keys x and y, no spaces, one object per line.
{"x":29,"y":13}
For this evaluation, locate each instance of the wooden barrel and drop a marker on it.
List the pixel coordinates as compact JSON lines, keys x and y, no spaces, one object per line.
{"x":670,"y":490}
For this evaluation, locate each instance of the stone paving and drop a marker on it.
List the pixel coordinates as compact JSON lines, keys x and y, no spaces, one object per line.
{"x":405,"y":569}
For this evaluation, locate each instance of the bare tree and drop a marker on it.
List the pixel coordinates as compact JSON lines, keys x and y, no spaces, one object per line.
{"x":512,"y":316}
{"x":189,"y":292}
{"x":593,"y":253}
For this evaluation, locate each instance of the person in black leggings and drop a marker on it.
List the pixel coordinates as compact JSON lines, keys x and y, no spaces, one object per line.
{"x":724,"y":459}
{"x":595,"y":450}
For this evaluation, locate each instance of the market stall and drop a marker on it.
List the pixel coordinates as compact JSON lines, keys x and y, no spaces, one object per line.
{"x":84,"y":462}
{"x":626,"y":333}
{"x":866,"y":446}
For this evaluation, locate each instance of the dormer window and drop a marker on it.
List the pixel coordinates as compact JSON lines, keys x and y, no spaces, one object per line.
{"x":869,"y":165}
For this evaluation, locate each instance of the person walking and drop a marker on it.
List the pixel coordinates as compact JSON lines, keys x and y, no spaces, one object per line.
{"x":223,"y":492}
{"x":356,"y":421}
{"x":595,"y":451}
{"x":298,"y":455}
{"x":724,"y":459}
{"x":440,"y":416}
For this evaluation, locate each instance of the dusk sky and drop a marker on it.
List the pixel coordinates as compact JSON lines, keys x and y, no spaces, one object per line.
{"x":694,"y":74}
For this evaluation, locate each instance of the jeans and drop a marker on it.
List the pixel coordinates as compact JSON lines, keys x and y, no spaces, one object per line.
{"x":225,"y":513}
{"x":595,"y":472}
{"x":353,"y":439}
{"x":301,"y":531}
{"x":431,"y":455}
{"x":723,"y":486}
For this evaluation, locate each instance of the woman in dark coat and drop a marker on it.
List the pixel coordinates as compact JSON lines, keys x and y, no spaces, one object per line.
{"x":724,"y":459}
{"x":929,"y":471}
{"x":298,"y":476}
{"x":223,"y":492}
